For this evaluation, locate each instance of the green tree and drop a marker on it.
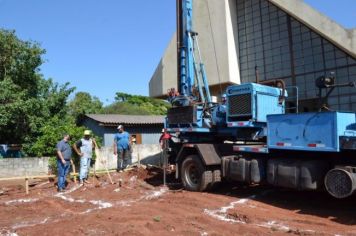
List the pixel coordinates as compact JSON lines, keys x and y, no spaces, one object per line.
{"x":83,"y":103}
{"x":20,"y":62}
{"x":51,"y":132}
{"x":14,"y":106}
{"x":137,"y":105}
{"x":125,"y":109}
{"x":122,"y":97}
{"x":27,"y":99}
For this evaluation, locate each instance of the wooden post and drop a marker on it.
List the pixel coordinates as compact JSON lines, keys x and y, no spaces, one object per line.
{"x":107,"y":171}
{"x":95,"y":180}
{"x":74,"y":176}
{"x":26,"y":184}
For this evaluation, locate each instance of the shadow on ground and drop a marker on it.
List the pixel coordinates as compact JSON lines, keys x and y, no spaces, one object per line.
{"x":320,"y":204}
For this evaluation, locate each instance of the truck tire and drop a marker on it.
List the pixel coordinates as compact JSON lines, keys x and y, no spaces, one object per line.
{"x":194,"y":176}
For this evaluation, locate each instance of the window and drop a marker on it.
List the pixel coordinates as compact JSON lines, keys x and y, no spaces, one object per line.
{"x":136,"y":138}
{"x":265,"y":36}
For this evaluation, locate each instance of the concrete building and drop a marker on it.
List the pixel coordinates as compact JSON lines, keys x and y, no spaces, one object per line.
{"x":145,"y":129}
{"x":285,"y":39}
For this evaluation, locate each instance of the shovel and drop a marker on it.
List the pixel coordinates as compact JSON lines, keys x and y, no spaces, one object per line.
{"x":95,"y":180}
{"x":97,"y":153}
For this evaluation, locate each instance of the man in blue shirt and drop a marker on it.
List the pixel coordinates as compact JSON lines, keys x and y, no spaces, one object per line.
{"x":122,"y":148}
{"x":64,"y":155}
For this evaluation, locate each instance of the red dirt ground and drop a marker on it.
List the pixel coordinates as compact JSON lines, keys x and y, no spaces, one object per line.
{"x":142,"y":206}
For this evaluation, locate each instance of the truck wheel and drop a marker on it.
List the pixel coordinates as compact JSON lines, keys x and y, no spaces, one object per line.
{"x":193,"y":174}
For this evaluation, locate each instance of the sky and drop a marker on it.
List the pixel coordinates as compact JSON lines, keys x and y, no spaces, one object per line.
{"x":103,"y":47}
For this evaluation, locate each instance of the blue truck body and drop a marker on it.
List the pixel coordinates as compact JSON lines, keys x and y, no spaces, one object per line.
{"x":318,"y":131}
{"x":249,"y":137}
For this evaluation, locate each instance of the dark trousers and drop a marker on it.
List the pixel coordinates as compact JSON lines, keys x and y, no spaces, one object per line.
{"x":123,"y":158}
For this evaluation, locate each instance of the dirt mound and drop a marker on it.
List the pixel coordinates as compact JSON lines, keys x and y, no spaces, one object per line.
{"x":143,"y":173}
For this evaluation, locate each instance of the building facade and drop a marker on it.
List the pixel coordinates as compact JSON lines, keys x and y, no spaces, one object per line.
{"x":283,"y":39}
{"x":142,"y":129}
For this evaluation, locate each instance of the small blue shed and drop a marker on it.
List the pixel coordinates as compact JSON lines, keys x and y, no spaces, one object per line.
{"x":142,"y":129}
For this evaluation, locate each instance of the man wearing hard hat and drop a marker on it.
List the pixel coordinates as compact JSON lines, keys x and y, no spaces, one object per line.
{"x":84,"y":148}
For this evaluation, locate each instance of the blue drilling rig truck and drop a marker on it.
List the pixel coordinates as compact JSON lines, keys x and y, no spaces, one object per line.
{"x":249,"y":136}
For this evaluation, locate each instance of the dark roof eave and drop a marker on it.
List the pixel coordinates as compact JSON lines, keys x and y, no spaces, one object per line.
{"x":129,"y":124}
{"x":125,"y":119}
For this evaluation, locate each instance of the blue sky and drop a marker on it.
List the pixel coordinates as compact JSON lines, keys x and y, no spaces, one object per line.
{"x":342,"y":11}
{"x":103,"y":47}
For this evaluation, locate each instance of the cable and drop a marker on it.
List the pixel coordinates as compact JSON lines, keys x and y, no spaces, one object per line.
{"x":212,"y":36}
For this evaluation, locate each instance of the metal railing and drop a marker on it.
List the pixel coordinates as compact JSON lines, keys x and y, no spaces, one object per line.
{"x":292,"y":99}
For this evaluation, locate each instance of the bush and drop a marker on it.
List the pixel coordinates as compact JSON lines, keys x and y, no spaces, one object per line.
{"x":136,"y":105}
{"x":51,"y":133}
{"x":52,"y":165}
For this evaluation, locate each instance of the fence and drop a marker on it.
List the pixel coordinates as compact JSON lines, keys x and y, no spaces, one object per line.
{"x":13,"y":167}
{"x":146,"y":153}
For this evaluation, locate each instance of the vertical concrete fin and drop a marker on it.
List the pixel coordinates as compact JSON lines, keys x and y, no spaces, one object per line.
{"x":232,"y":41}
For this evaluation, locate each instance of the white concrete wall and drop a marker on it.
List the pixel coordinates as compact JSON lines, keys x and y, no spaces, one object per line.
{"x":147,"y":153}
{"x":12,"y":167}
{"x":214,"y":23}
{"x":165,"y":75}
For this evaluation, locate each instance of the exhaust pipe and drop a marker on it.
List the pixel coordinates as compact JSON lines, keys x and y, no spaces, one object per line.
{"x":340,"y":183}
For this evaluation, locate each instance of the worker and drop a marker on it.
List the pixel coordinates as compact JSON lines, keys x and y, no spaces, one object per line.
{"x":165,"y":137}
{"x":122,"y":148}
{"x":84,"y":148}
{"x":223,"y":99}
{"x":64,"y":155}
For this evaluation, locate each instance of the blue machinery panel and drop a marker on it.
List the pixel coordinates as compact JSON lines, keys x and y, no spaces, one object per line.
{"x":253,"y":102}
{"x":309,"y":131}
